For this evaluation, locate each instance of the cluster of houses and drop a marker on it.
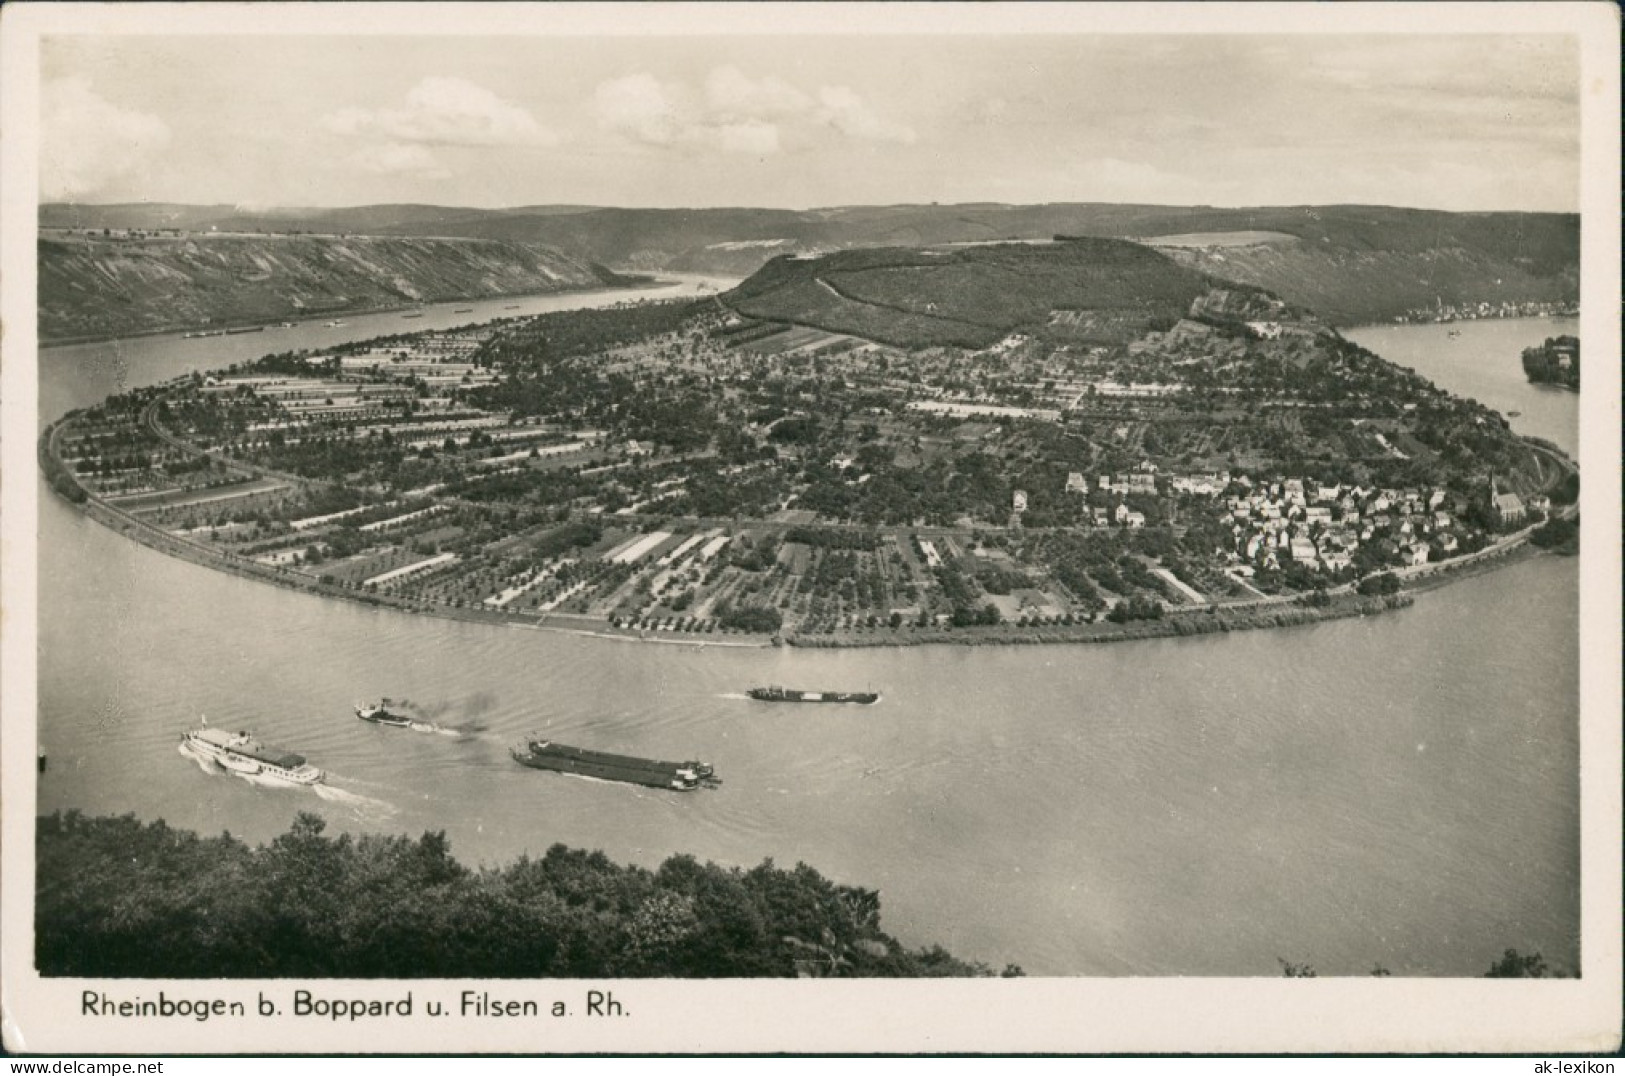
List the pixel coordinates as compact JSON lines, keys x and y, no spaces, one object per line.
{"x":1321,"y":526}
{"x":1471,"y":311}
{"x":1290,"y":520}
{"x":1144,"y":480}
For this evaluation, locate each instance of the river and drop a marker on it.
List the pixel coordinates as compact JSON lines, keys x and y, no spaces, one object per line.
{"x":1483,"y":361}
{"x":1400,"y":790}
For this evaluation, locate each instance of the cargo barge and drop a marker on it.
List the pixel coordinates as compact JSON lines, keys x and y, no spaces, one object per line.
{"x":379,"y":713}
{"x":542,"y":754}
{"x":784,"y":694}
{"x":241,"y":753}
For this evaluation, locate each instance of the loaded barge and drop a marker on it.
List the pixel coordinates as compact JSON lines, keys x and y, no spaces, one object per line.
{"x":241,"y":753}
{"x":541,"y":754}
{"x":784,"y":694}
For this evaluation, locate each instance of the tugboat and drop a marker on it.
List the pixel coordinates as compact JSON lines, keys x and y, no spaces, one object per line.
{"x":784,"y":694}
{"x":379,"y":713}
{"x":542,"y":754}
{"x":241,"y":753}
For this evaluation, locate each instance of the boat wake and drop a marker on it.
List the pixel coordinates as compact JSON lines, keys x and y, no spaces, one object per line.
{"x":733,"y":695}
{"x":431,"y":717}
{"x":440,"y":730}
{"x":207,"y":765}
{"x":635,"y":791}
{"x":366,"y":807}
{"x":264,"y":780}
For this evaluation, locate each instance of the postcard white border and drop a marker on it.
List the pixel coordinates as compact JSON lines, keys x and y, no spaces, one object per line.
{"x":1033,"y":1015}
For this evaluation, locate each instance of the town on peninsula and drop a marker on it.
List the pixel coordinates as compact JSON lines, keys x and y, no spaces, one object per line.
{"x":1082,"y":439}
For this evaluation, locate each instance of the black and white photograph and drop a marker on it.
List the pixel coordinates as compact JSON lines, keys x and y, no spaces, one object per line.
{"x":660,"y":528}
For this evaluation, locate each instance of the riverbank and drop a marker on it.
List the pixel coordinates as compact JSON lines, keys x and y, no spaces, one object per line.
{"x":1220,"y":618}
{"x":628,"y":282}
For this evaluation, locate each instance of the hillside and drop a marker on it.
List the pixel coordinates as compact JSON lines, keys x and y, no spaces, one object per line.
{"x":126,"y":283}
{"x":120,"y":899}
{"x":1351,"y":286}
{"x":1352,"y":263}
{"x":973,"y":296}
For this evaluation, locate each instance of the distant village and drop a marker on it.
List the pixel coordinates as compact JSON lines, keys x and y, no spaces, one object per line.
{"x":1441,"y":311}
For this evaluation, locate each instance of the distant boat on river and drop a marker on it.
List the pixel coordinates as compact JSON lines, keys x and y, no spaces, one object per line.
{"x":782,"y":694}
{"x":379,"y":713}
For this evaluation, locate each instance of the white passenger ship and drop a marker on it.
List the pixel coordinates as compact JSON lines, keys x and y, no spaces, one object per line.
{"x":241,"y":753}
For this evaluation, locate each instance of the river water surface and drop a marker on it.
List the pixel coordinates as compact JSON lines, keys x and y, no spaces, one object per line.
{"x":1400,"y":790}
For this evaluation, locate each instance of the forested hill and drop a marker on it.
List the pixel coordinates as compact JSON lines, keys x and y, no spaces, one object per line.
{"x":1112,"y":291}
{"x":1352,"y":263}
{"x":127,"y":282}
{"x":122,"y":899}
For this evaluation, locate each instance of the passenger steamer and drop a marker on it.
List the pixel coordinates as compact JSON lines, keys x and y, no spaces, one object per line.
{"x":240,"y":753}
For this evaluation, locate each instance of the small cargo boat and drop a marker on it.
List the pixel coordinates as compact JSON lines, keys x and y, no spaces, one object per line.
{"x":379,"y":713}
{"x":784,"y":694}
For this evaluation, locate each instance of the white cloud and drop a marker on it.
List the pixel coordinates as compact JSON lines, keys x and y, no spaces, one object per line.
{"x":731,"y":94}
{"x":398,"y":158}
{"x":88,"y":144}
{"x":639,"y":106}
{"x":735,"y":113}
{"x":442,"y":111}
{"x":847,"y":113}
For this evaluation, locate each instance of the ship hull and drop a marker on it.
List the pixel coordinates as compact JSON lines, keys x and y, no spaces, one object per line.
{"x":776,"y":694}
{"x":378,"y":715}
{"x":241,"y":754}
{"x":579,"y":762}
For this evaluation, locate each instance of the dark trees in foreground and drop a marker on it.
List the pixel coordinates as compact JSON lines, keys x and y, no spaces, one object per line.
{"x":1515,"y":965}
{"x":119,"y":898}
{"x":1512,"y":965}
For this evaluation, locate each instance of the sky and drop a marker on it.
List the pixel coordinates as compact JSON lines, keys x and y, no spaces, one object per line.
{"x":1483,"y":122}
